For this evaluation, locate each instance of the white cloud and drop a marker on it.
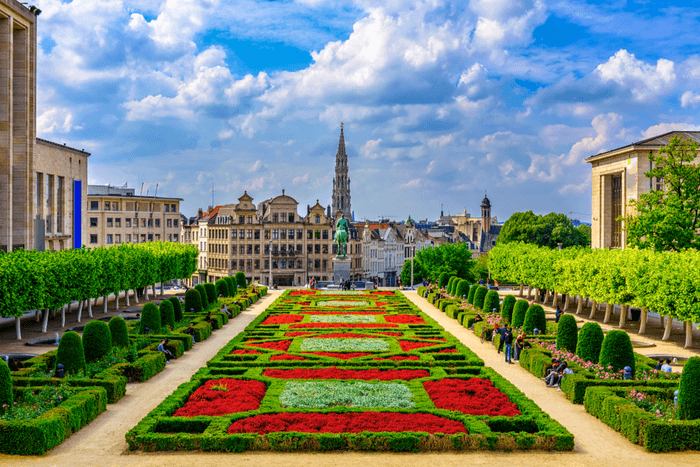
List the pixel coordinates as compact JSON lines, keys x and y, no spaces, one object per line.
{"x":577,"y":187}
{"x":431,"y":166}
{"x":54,"y":120}
{"x":662,"y":128}
{"x":644,"y":80}
{"x":441,"y":141}
{"x":605,"y":126}
{"x":369,"y":148}
{"x":255,"y":167}
{"x":415,"y":183}
{"x":301,"y":179}
{"x":690,"y":99}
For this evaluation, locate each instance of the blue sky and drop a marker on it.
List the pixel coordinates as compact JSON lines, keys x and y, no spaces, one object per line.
{"x":441,"y":100}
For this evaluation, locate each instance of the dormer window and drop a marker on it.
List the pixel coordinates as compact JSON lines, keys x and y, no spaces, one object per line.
{"x":318,"y":219}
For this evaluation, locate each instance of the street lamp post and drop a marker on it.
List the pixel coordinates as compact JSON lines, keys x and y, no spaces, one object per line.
{"x":410,"y":249}
{"x":269,"y":278}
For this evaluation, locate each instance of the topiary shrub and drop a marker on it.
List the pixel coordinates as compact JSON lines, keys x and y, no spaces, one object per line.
{"x":534,"y":318}
{"x":448,"y":286}
{"x":442,"y":281}
{"x":97,"y":340}
{"x":462,"y":288}
{"x":688,"y":394}
{"x":70,"y":353}
{"x":167,"y":315}
{"x":479,"y":296}
{"x":491,"y":301}
{"x":453,"y":285}
{"x":211,"y":292}
{"x":177,"y":309}
{"x":519,"y":311}
{"x":507,"y":309}
{"x":150,"y":318}
{"x":240,"y":280}
{"x":118,"y":331}
{"x":590,"y":341}
{"x":617,"y":351}
{"x":472,"y":292}
{"x":567,"y":333}
{"x":204,"y":296}
{"x":6,"y":394}
{"x":232,"y":286}
{"x":193,"y":301}
{"x":221,"y":288}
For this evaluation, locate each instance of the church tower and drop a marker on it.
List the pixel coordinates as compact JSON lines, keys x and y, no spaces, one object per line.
{"x":341,"y":182}
{"x":485,"y":215}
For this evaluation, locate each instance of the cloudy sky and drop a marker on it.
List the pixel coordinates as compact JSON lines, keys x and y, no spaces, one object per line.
{"x":442,"y":100}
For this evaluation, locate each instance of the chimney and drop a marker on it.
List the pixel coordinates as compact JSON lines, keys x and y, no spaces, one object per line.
{"x":210,"y":209}
{"x":199,"y":212}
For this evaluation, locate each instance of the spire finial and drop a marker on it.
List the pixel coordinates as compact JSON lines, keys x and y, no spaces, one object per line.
{"x":341,"y":126}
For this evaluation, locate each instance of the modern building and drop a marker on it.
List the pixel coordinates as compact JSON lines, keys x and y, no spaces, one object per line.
{"x":617,"y":178}
{"x":117,"y":215}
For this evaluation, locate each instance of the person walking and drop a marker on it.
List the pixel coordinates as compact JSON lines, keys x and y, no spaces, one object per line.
{"x":508,"y":339}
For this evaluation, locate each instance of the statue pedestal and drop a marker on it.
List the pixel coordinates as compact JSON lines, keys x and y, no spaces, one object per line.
{"x":341,"y":269}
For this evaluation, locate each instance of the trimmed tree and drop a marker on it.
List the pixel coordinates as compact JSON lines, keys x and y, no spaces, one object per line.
{"x":492,"y":301}
{"x":519,"y":311}
{"x":534,"y":318}
{"x":118,"y":331}
{"x":462,"y":288}
{"x":472,"y":292}
{"x":453,"y":284}
{"x":70,"y":353}
{"x":150,"y":318}
{"x":232,"y":286}
{"x":590,"y":341}
{"x":507,"y":310}
{"x":211,"y":292}
{"x":167,"y":314}
{"x":240,"y":280}
{"x":688,"y":395}
{"x":97,"y":340}
{"x":193,"y":301}
{"x":177,"y":309}
{"x":617,"y":351}
{"x":221,"y":288}
{"x":567,"y":333}
{"x":6,"y":394}
{"x":479,"y":296}
{"x":444,"y":279}
{"x":203,"y":295}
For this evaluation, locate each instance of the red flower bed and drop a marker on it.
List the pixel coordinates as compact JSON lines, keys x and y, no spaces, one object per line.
{"x":382,"y":292}
{"x":394,"y":334}
{"x":399,"y":357}
{"x":404,"y":319}
{"x":302,"y":292}
{"x":343,"y":312}
{"x":343,"y":356}
{"x":473,"y":396}
{"x":273,"y":345}
{"x":343,"y":325}
{"x":432,"y":338}
{"x":245,"y":351}
{"x":299,"y":333}
{"x":241,"y":395}
{"x":354,"y":422}
{"x":382,"y":303}
{"x":282,"y":319}
{"x":287,"y":356}
{"x":337,"y":373}
{"x":346,"y":334}
{"x":447,"y":351}
{"x":408,"y":345}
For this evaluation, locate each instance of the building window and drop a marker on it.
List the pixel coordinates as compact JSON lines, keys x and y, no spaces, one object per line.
{"x":109,"y":222}
{"x":325,"y":263}
{"x":309,"y":234}
{"x":317,"y":249}
{"x":274,"y":264}
{"x":175,"y":223}
{"x":166,"y":208}
{"x":309,"y":263}
{"x":118,"y":238}
{"x":283,"y":264}
{"x":127,"y":222}
{"x":143,"y":238}
{"x":143,"y":222}
{"x":291,"y":235}
{"x":157,"y":222}
{"x":325,"y":249}
{"x":256,"y":235}
{"x":169,"y":222}
{"x":317,"y":234}
{"x":291,"y":264}
{"x":241,"y":220}
{"x":115,"y":206}
{"x":93,"y":222}
{"x":109,"y":239}
{"x":291,"y":217}
{"x":335,"y":249}
{"x":234,"y":249}
{"x":234,"y":234}
{"x":173,"y":208}
{"x":108,"y":206}
{"x":170,"y":236}
{"x":249,"y":264}
{"x":249,"y":234}
{"x":283,"y":234}
{"x":275,"y":217}
{"x":118,"y":222}
{"x":175,"y":237}
{"x":136,"y":238}
{"x":257,"y":249}
{"x":318,"y":219}
{"x":317,"y":263}
{"x":249,"y":250}
{"x":127,"y":238}
{"x":150,"y":222}
{"x":324,"y":235}
{"x":275,"y":235}
{"x":93,"y":238}
{"x":94,"y":205}
{"x":616,"y":238}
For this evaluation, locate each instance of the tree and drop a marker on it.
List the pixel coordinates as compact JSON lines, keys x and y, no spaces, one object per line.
{"x":481,"y":268}
{"x":668,"y":219}
{"x":418,"y":272}
{"x":617,"y":351}
{"x":688,"y":396}
{"x":549,"y":230}
{"x":97,"y":340}
{"x":567,"y":333}
{"x":453,"y":258}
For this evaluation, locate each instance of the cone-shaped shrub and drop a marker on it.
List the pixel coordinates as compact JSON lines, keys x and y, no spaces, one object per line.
{"x":491,"y":301}
{"x":519,"y":311}
{"x":232,"y":286}
{"x":177,"y":309}
{"x":479,"y":297}
{"x":507,"y":309}
{"x":6,"y":394}
{"x":203,"y":294}
{"x":71,"y":353}
{"x":444,"y":278}
{"x":221,"y":288}
{"x":167,"y":315}
{"x":193,"y":301}
{"x":150,"y":318}
{"x":211,"y":292}
{"x":590,"y":341}
{"x":453,"y":285}
{"x":462,"y":288}
{"x":97,"y":340}
{"x":617,"y":351}
{"x":567,"y":333}
{"x":240,"y":280}
{"x":688,"y":394}
{"x":472,"y":292}
{"x":448,"y":286}
{"x":117,"y":328}
{"x":534,"y":318}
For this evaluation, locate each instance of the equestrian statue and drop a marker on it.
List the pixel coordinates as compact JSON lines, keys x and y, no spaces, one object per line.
{"x":342,"y":229}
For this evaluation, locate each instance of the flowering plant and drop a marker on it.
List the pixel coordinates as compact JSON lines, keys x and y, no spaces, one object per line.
{"x":663,"y":409}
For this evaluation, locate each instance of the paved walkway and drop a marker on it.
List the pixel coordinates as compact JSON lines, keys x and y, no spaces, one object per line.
{"x":102,"y":441}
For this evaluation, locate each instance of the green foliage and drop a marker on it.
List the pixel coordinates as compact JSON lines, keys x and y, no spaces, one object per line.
{"x":450,"y":283}
{"x":71,"y":353}
{"x":211,"y":292}
{"x":418,"y":272}
{"x":585,"y":233}
{"x":221,"y":288}
{"x":97,"y":340}
{"x":117,"y":329}
{"x":452,"y":258}
{"x":481,"y":268}
{"x":519,"y":312}
{"x":462,"y":288}
{"x":241,"y":280}
{"x":567,"y":333}
{"x":534,"y":318}
{"x":177,"y":309}
{"x":193,"y":301}
{"x":6,"y":394}
{"x":479,"y":297}
{"x":492,"y":301}
{"x":547,"y":231}
{"x":617,"y":351}
{"x":667,"y":220}
{"x":472,"y":292}
{"x":507,"y":310}
{"x":590,"y":341}
{"x":150,"y":318}
{"x":203,"y":295}
{"x":232,"y":286}
{"x":688,"y":390}
{"x":444,"y":279}
{"x":167,"y":315}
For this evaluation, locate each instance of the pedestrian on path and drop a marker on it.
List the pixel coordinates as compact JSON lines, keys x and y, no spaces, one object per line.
{"x":508,"y":339}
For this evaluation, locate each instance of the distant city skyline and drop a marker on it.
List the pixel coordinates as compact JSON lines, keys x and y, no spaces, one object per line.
{"x":441,"y":100}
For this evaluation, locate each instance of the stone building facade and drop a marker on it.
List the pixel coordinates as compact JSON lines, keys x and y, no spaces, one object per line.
{"x":480,"y":233}
{"x":617,"y":178}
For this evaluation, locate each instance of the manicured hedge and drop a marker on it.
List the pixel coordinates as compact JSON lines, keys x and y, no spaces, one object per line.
{"x":6,"y":394}
{"x":204,"y":296}
{"x":508,"y":305}
{"x":462,"y":288}
{"x":117,"y":329}
{"x":590,"y":341}
{"x":232,"y":286}
{"x":150,"y":318}
{"x":97,"y":340}
{"x":177,"y":309}
{"x":479,"y":297}
{"x":193,"y":301}
{"x":689,"y":390}
{"x":167,"y":315}
{"x":241,"y":281}
{"x":70,"y":353}
{"x":567,"y":333}
{"x":472,"y":292}
{"x":617,"y":351}
{"x":221,"y":288}
{"x":519,"y":312}
{"x":492,"y":302}
{"x":534,"y":319}
{"x":211,"y":292}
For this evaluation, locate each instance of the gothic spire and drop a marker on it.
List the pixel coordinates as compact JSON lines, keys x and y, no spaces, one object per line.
{"x":341,"y":182}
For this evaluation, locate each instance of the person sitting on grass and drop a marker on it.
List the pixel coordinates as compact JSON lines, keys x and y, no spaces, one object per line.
{"x":224,"y":309}
{"x":168,"y":353}
{"x":191,"y":332}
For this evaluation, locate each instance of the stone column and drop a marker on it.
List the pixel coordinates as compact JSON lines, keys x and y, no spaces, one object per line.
{"x":6,"y":134}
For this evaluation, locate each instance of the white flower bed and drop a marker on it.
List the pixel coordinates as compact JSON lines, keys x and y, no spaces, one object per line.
{"x":337,"y":303}
{"x":343,"y":345}
{"x":342,"y":292}
{"x":344,"y":318}
{"x":322,"y":394}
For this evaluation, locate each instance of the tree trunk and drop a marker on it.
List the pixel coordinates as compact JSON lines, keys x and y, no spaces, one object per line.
{"x":566,"y":302}
{"x":608,"y":312}
{"x":63,"y":317}
{"x":162,"y":290}
{"x":136,"y":296}
{"x":89,"y":303}
{"x":667,"y":330}
{"x":579,"y":305}
{"x":623,"y":316}
{"x":521,"y":291}
{"x":116,"y":301}
{"x":80,"y":307}
{"x":145,"y":293}
{"x":18,"y":328}
{"x":688,"y":334}
{"x":594,"y":308}
{"x":529,"y":292}
{"x":126,"y":297}
{"x":643,"y":321}
{"x":547,"y":294}
{"x":45,"y":323}
{"x":37,"y":315}
{"x":555,"y":300}
{"x":104,"y":304}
